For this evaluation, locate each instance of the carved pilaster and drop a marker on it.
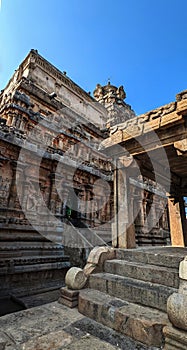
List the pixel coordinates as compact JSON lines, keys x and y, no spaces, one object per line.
{"x":52,"y":195}
{"x":13,"y":201}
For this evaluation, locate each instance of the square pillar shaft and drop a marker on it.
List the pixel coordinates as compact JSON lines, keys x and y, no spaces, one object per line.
{"x":176,"y":228}
{"x":123,"y":230}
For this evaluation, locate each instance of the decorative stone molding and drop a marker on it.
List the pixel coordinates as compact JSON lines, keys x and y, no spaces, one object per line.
{"x":75,"y":278}
{"x":96,"y":259}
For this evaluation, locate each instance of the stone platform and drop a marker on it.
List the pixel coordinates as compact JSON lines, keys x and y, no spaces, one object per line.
{"x":55,"y":327}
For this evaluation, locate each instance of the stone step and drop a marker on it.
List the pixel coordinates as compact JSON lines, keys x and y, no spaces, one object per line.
{"x":38,"y":299}
{"x":37,"y":282}
{"x":160,"y":256}
{"x":133,"y":290}
{"x":145,"y":272}
{"x":8,"y":305}
{"x":140,"y":323}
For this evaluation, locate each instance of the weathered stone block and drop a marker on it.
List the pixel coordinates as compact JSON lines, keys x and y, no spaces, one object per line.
{"x":69,"y":303}
{"x":54,"y":340}
{"x":144,"y":293}
{"x":145,"y":272}
{"x":140,"y":323}
{"x":69,"y":297}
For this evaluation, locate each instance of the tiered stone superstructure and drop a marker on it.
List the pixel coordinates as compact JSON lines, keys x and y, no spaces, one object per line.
{"x":113,"y":99}
{"x":49,"y":132}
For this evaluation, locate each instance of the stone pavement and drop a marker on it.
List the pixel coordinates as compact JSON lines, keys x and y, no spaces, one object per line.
{"x":54,"y":327}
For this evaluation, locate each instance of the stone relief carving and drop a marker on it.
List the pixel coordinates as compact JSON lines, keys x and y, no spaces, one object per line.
{"x":4,"y":190}
{"x":34,"y":200}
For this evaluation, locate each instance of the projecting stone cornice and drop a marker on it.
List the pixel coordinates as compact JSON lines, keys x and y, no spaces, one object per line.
{"x":156,"y":120}
{"x":34,"y":58}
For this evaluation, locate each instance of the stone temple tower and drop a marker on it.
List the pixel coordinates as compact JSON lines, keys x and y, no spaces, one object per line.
{"x":113,"y":99}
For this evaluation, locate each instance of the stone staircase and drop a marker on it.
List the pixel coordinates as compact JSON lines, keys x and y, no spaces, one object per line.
{"x":130,"y":295}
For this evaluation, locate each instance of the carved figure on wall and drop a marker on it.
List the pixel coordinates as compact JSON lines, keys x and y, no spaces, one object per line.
{"x":4,"y":190}
{"x":34,"y":201}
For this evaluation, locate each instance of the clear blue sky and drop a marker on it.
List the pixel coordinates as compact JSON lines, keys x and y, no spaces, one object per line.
{"x":141,"y":44}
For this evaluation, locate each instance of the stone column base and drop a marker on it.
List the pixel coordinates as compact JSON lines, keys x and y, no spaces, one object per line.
{"x":69,"y":297}
{"x":174,"y":338}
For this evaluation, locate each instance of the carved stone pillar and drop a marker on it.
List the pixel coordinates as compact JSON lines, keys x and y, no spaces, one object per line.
{"x":57,"y":189}
{"x":9,"y":120}
{"x":141,"y":206}
{"x":154,"y":218}
{"x":14,"y":119}
{"x":176,"y":229}
{"x":22,"y":124}
{"x":123,"y":230}
{"x":108,"y":211}
{"x":87,"y":203}
{"x":65,"y":194}
{"x":52,"y":196}
{"x":26,"y":186}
